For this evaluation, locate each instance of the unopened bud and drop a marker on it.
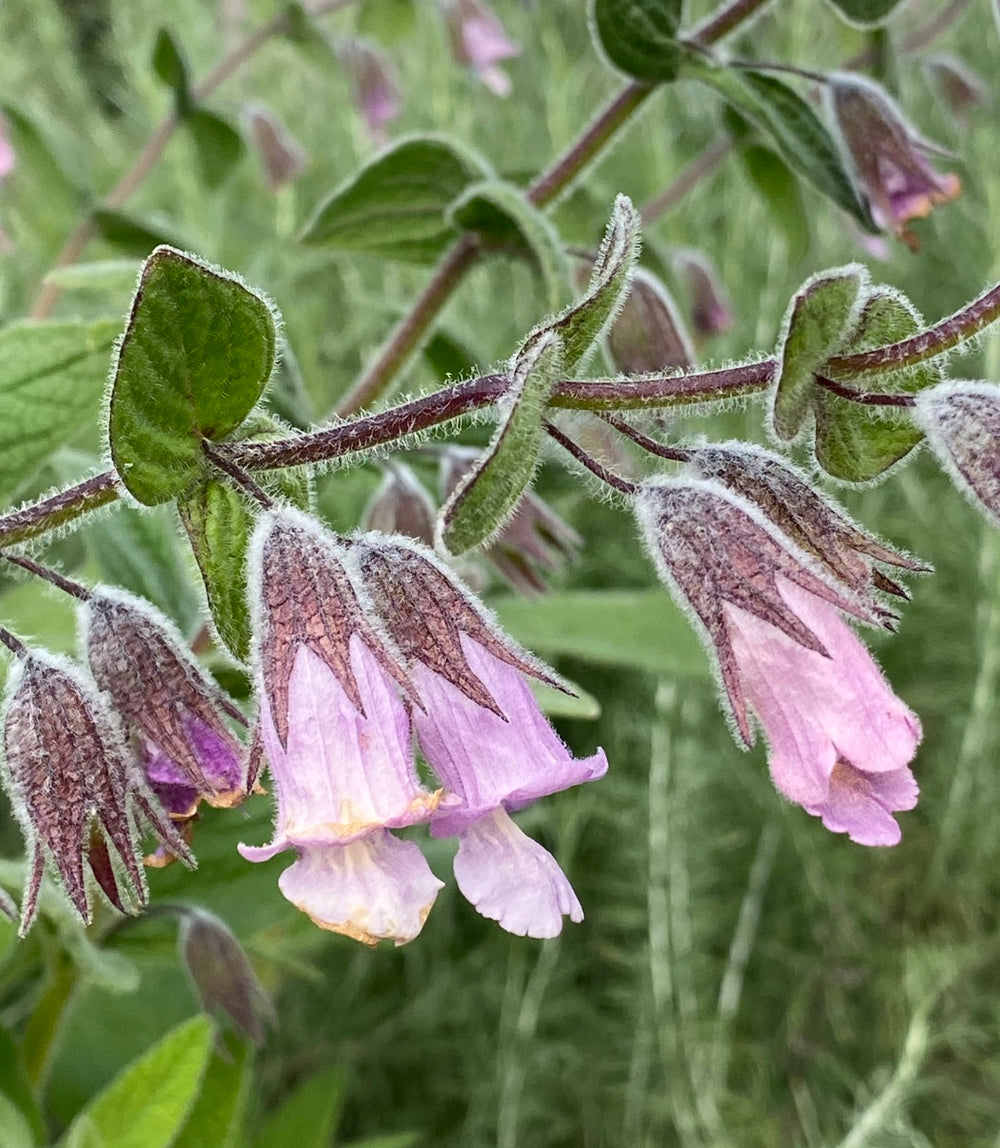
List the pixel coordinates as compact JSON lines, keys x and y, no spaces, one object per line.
{"x":711,"y":309}
{"x":376,"y":92}
{"x":401,"y":505}
{"x":282,"y":156}
{"x":962,"y":424}
{"x":222,"y":975}
{"x":887,"y":155}
{"x":648,"y":335}
{"x":961,"y":88}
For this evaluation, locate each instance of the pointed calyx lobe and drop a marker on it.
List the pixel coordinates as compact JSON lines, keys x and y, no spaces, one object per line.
{"x":69,"y":773}
{"x":305,"y":598}
{"x":426,"y":613}
{"x":811,"y":520}
{"x":716,"y":550}
{"x":140,"y":661}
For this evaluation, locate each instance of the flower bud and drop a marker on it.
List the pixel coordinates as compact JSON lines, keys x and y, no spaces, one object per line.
{"x":222,"y":975}
{"x":401,"y":505}
{"x":962,"y":89}
{"x":480,"y":42}
{"x":282,"y":156}
{"x":711,"y":309}
{"x":376,"y":92}
{"x":68,"y":771}
{"x":887,"y":156}
{"x":648,"y":335}
{"x":962,"y":424}
{"x":140,"y":661}
{"x":806,"y":516}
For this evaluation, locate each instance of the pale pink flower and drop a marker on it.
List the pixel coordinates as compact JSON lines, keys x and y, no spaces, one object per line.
{"x":376,"y":91}
{"x":480,"y":42}
{"x":337,"y":740}
{"x":840,"y":740}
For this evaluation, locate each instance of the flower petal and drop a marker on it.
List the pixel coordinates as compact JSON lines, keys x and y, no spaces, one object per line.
{"x":861,"y":804}
{"x":513,"y":880}
{"x":375,"y":888}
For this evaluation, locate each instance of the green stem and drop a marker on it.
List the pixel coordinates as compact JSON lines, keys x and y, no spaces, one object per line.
{"x":46,"y":1021}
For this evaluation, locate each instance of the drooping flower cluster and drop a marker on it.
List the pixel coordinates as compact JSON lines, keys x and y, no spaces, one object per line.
{"x":768,"y":566}
{"x":354,"y":641}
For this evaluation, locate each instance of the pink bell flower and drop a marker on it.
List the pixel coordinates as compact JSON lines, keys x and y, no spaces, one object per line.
{"x":480,"y":42}
{"x":337,"y":739}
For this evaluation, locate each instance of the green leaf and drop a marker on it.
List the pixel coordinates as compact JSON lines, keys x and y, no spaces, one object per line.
{"x":107,"y":276}
{"x":138,"y":551}
{"x":857,"y":443}
{"x":865,"y":13}
{"x":219,"y":523}
{"x":448,"y":356}
{"x":304,"y":31}
{"x":146,"y":1104}
{"x":820,"y":318}
{"x":556,"y":703}
{"x":641,"y":629}
{"x":779,"y":189}
{"x":52,"y":377}
{"x":132,"y":234}
{"x":582,"y":326}
{"x":309,"y":1117}
{"x":196,"y":357}
{"x":396,"y":206}
{"x":46,"y":158}
{"x":794,"y":128}
{"x":15,"y":1131}
{"x":479,"y":506}
{"x":171,"y":66}
{"x":389,"y":21}
{"x":16,"y":1091}
{"x":218,"y":146}
{"x":500,"y":214}
{"x":216,"y":1119}
{"x":640,"y":36}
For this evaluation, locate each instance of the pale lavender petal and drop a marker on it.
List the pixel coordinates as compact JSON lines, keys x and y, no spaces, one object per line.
{"x":485,"y":760}
{"x":512,"y":879}
{"x":375,"y":888}
{"x":342,"y":772}
{"x":861,"y":804}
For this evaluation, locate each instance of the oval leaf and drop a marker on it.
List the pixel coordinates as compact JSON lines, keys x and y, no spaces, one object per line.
{"x":397,"y":206}
{"x":479,"y":506}
{"x":640,"y":36}
{"x":146,"y":1104}
{"x":195,"y":358}
{"x":819,"y":320}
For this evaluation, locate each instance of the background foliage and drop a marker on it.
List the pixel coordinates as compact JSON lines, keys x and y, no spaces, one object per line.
{"x":742,"y":976}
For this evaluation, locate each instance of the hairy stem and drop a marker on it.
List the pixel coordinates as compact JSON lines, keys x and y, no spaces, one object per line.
{"x":964,"y":325}
{"x":57,"y":510}
{"x":616,"y":482}
{"x":154,"y":147}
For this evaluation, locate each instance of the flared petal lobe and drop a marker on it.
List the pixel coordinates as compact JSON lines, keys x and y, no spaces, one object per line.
{"x":488,"y":760}
{"x":512,"y":880}
{"x":840,"y":740}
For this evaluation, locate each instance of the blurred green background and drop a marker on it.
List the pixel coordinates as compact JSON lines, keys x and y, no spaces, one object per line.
{"x":742,"y":977}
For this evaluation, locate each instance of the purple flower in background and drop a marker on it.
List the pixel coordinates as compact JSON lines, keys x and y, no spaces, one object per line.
{"x":8,"y":159}
{"x":376,"y":92}
{"x":282,"y":157}
{"x":887,"y":155}
{"x":337,"y":739}
{"x":711,"y":308}
{"x":840,"y":740}
{"x":480,"y":42}
{"x":482,"y":732}
{"x":401,"y":505}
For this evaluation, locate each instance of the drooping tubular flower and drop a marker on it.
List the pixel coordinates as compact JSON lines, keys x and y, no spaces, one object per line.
{"x":482,"y":732}
{"x":840,"y":741}
{"x":887,"y":155}
{"x":337,"y":739}
{"x":480,"y":42}
{"x":166,"y":700}
{"x":73,"y":786}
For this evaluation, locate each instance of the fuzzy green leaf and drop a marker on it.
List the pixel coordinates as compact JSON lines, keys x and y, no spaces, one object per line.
{"x":219,"y":523}
{"x":865,"y":13}
{"x":309,"y":1117}
{"x":52,"y":377}
{"x":171,"y":66}
{"x":819,"y":320}
{"x":640,"y":36}
{"x":857,"y":443}
{"x":482,"y":502}
{"x":215,"y":1121}
{"x":640,"y":629}
{"x":196,"y":356}
{"x":146,"y":1104}
{"x":397,"y":206}
{"x":218,"y":145}
{"x":582,"y":326}
{"x":505,"y":221}
{"x":796,"y":131}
